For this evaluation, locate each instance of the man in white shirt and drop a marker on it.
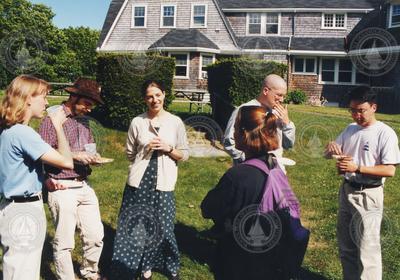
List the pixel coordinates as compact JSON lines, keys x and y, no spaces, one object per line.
{"x":368,"y":151}
{"x":272,"y":94}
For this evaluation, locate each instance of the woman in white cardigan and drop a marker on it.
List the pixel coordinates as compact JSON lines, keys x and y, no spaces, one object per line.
{"x":145,"y":237}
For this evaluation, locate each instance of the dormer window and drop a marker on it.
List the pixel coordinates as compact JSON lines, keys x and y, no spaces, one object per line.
{"x":394,"y":16}
{"x":334,"y":21}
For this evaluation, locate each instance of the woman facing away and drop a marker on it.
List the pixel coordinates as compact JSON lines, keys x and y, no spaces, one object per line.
{"x":22,"y":217}
{"x":145,"y":239}
{"x":239,"y":189}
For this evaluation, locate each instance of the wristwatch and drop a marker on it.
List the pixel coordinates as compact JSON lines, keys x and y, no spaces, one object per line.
{"x":358,"y":170}
{"x":170,"y":151}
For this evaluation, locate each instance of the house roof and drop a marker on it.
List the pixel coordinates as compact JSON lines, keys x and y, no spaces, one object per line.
{"x":116,"y":5}
{"x":323,"y":4}
{"x":318,"y":44}
{"x":112,"y":14}
{"x":184,"y":38}
{"x":263,"y":43}
{"x":296,"y":43}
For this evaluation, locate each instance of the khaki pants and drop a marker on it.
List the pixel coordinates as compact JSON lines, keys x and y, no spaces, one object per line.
{"x":71,"y":208}
{"x":358,"y":231}
{"x":22,"y":231}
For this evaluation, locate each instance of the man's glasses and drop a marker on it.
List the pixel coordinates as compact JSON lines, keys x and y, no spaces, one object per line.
{"x":357,"y":111}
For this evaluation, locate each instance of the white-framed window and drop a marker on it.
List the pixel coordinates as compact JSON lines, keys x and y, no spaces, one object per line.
{"x":340,"y":71}
{"x":182,"y":61}
{"x":305,"y":65}
{"x":272,"y":23}
{"x":394,"y":16}
{"x":168,"y":16}
{"x":334,"y":21}
{"x":254,"y":26}
{"x":199,"y":16}
{"x":263,"y":23}
{"x":205,"y":60}
{"x":139,"y":16}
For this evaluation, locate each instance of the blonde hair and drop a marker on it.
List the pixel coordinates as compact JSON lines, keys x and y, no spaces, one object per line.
{"x":15,"y":102}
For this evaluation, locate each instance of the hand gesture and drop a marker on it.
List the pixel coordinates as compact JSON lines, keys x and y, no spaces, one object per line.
{"x":346,"y":164}
{"x":85,"y":157}
{"x":58,"y":117}
{"x":53,"y":185}
{"x":332,"y":149}
{"x":158,"y":144}
{"x":282,"y":113}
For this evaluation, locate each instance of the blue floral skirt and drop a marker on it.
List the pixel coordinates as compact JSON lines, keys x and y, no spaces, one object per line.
{"x":145,"y":238}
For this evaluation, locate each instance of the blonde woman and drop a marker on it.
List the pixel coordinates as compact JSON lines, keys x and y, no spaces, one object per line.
{"x":22,"y":151}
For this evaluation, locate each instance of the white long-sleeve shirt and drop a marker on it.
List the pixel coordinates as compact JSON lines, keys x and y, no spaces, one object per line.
{"x":286,"y":134}
{"x":140,"y":133}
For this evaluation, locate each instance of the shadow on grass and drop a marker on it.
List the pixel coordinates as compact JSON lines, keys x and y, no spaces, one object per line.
{"x":201,"y":248}
{"x":106,"y":254}
{"x":197,"y":246}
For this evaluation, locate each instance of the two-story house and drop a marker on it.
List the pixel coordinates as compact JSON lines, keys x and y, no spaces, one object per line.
{"x":308,"y":35}
{"x":378,"y":36}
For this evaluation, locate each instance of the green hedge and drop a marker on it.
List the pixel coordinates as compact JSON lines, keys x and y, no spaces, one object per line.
{"x":296,"y":96}
{"x":121,"y":77}
{"x":233,"y":81}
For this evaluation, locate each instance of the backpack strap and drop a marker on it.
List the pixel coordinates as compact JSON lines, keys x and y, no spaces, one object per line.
{"x":257,"y":163}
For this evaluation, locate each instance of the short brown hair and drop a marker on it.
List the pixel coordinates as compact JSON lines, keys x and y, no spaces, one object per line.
{"x":14,"y":104}
{"x":255,"y":131}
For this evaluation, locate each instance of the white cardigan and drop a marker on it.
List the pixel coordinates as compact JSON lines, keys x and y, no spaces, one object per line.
{"x":140,"y":133}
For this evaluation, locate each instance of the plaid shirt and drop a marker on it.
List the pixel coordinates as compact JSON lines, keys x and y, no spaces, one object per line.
{"x":78,"y":133}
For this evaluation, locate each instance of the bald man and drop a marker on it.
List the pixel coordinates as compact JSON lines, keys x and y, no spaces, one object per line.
{"x":273,"y":92}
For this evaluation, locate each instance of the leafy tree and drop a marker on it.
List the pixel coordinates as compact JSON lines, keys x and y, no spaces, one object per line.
{"x":83,"y":41}
{"x":31,"y":43}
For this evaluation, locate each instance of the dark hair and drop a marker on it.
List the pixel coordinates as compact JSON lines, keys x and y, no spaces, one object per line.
{"x":363,"y":94}
{"x":151,"y":83}
{"x":255,"y":131}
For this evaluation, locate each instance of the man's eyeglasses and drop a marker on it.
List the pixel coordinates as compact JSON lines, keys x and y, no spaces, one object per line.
{"x":357,"y":111}
{"x":282,"y":95}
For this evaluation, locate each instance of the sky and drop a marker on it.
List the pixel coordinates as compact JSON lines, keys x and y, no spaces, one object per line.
{"x":88,"y":13}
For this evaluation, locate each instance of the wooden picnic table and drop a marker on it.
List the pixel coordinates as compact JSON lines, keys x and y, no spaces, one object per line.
{"x":199,"y":97}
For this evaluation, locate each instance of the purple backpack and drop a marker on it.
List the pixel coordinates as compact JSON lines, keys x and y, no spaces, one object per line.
{"x":278,"y":196}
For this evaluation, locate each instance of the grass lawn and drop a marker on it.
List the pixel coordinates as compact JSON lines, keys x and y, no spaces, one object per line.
{"x":313,"y":178}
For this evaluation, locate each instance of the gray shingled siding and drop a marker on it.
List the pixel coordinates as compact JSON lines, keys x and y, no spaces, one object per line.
{"x":306,"y":24}
{"x":126,"y":38}
{"x":238,"y":23}
{"x":309,"y":25}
